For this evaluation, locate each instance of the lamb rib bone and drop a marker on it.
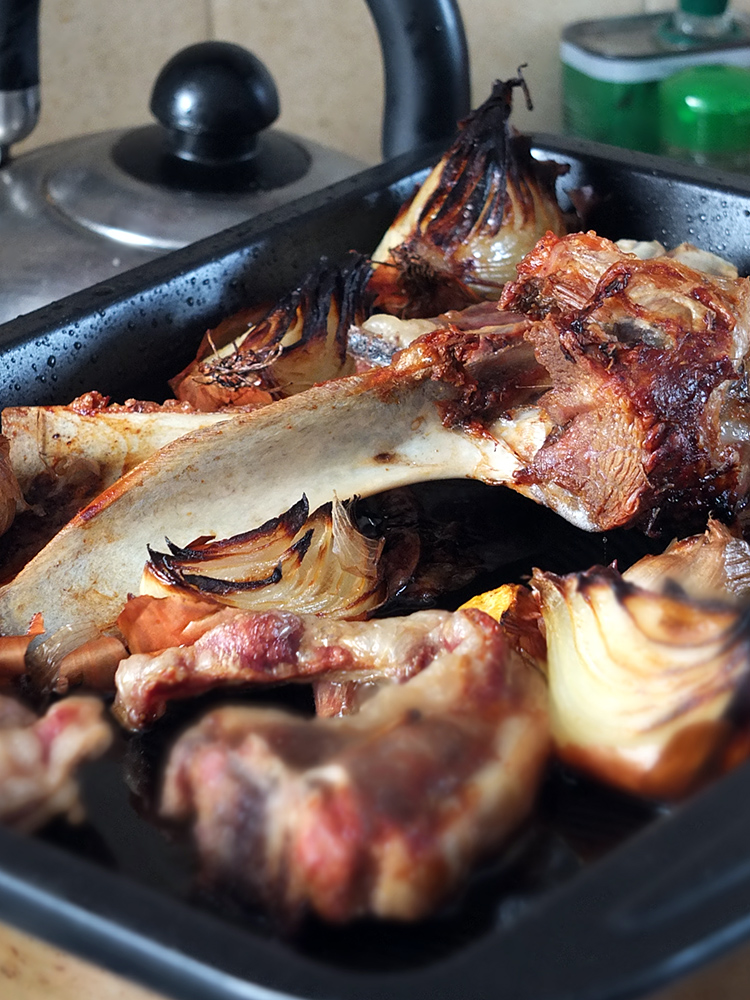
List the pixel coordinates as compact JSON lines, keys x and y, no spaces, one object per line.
{"x":353,"y":436}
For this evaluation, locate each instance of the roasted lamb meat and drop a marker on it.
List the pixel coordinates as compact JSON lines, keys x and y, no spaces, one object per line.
{"x":382,"y":812}
{"x":245,"y":648}
{"x":39,"y":757}
{"x":63,"y":456}
{"x":647,"y":411}
{"x":11,"y":495}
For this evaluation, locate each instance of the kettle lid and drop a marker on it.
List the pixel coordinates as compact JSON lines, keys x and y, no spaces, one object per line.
{"x":209,"y":162}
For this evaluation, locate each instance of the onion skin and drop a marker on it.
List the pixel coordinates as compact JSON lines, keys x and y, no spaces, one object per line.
{"x":642,"y":684}
{"x":13,"y":651}
{"x":149,"y":624}
{"x":93,"y":665}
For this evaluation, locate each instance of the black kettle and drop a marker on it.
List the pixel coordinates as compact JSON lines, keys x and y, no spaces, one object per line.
{"x":78,"y":211}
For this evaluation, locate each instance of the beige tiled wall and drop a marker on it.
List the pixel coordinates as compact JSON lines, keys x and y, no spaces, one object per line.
{"x":99,"y":59}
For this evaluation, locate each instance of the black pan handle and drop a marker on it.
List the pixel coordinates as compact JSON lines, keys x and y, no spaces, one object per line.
{"x":19,"y":71}
{"x":426,"y":63}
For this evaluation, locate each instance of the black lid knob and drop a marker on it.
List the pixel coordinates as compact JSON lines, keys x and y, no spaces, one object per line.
{"x":214,"y":98}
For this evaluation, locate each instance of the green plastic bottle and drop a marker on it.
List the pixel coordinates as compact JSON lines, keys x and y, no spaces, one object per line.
{"x":613,"y":68}
{"x":704,"y":116}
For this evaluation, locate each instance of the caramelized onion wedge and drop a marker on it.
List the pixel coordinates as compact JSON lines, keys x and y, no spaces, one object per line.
{"x":315,"y":563}
{"x":641,"y":683}
{"x":715,"y":564}
{"x":482,"y":207}
{"x":302,"y":340}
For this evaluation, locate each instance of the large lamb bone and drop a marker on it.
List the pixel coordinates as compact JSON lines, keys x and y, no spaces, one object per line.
{"x":353,"y":436}
{"x":620,"y":399}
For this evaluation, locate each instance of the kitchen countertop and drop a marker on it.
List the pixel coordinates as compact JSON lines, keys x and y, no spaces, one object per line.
{"x":33,"y":970}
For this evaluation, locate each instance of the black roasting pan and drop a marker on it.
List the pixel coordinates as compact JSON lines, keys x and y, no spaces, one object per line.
{"x":670,"y":891}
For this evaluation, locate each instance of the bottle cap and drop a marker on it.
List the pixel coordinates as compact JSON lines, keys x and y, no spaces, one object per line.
{"x":705,"y":110}
{"x":704,"y":8}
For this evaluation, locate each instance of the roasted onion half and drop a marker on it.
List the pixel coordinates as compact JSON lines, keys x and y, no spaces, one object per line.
{"x":644,"y":684}
{"x":482,"y":207}
{"x":715,"y":564}
{"x":301,"y":340}
{"x":317,"y":563}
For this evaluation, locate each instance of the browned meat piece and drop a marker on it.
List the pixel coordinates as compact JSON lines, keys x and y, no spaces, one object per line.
{"x":246,"y":647}
{"x":560,"y":275}
{"x":39,"y":756}
{"x":63,"y":456}
{"x":383,"y":812}
{"x":341,"y":697}
{"x":647,"y":414}
{"x":374,"y":342}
